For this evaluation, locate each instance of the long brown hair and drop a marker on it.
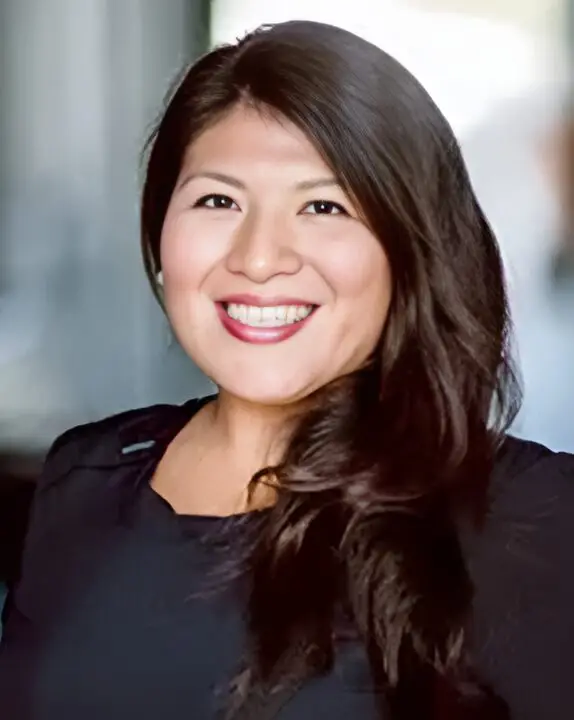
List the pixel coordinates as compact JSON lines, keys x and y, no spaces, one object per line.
{"x":391,"y":462}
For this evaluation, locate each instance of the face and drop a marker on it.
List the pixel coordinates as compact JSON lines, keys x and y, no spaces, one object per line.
{"x":273,"y":283}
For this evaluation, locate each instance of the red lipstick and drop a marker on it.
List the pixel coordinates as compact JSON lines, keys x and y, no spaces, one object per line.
{"x":260,"y":335}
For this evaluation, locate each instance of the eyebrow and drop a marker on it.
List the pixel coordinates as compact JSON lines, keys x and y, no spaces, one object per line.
{"x":235,"y":182}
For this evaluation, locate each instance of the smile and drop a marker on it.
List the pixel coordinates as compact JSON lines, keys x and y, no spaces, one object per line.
{"x":267,"y":317}
{"x":260,"y":323}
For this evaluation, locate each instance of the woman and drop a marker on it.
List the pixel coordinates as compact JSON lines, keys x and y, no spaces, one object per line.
{"x":345,"y":530}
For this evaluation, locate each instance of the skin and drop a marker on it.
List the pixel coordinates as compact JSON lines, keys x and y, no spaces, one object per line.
{"x":280,"y":225}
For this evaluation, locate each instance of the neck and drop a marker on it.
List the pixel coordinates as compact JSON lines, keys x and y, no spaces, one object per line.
{"x":226,"y":443}
{"x":253,"y":434}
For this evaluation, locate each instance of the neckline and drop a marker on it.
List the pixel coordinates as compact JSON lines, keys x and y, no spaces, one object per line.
{"x":159,"y":508}
{"x":152,"y":511}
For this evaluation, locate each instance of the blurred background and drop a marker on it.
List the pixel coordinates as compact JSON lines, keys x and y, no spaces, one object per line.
{"x":81,"y":83}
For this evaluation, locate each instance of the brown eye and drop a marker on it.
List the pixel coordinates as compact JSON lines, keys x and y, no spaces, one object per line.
{"x":324,"y":207}
{"x":216,"y":202}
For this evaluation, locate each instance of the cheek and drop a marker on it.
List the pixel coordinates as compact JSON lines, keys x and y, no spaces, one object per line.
{"x":361,"y":280}
{"x":360,"y":276}
{"x":189,"y":251}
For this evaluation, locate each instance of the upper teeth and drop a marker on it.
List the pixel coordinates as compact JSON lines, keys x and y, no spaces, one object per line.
{"x":268,"y":316}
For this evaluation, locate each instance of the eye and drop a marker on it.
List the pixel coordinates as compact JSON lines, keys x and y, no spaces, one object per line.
{"x":324,"y":207}
{"x":216,"y":202}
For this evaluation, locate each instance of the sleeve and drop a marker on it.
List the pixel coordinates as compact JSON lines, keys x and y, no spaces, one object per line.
{"x":525,"y":589}
{"x":72,"y":477}
{"x":59,"y":460}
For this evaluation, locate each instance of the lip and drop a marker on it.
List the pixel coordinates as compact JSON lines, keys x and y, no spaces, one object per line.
{"x":260,"y":335}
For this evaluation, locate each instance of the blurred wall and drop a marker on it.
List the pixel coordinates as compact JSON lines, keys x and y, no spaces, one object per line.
{"x":81,"y":82}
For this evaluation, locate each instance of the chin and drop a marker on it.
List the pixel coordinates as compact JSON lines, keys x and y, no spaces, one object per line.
{"x":272,"y":392}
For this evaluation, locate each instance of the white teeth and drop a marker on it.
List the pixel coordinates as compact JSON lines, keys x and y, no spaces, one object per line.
{"x":253,"y":315}
{"x":268,"y":316}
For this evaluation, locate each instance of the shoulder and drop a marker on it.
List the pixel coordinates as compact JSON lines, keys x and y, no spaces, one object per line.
{"x":88,"y":443}
{"x":91,"y":466}
{"x":529,"y":477}
{"x":86,"y":473}
{"x":114,"y":440}
{"x":531,"y":511}
{"x":516,"y":456}
{"x":95,"y":463}
{"x":524,"y":580}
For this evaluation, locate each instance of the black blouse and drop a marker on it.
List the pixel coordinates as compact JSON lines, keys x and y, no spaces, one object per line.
{"x":110,"y":619}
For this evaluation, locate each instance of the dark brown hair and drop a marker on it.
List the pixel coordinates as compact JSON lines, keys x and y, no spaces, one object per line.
{"x":391,"y":462}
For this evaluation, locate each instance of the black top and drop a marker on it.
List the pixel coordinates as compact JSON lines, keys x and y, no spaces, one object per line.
{"x":110,"y":620}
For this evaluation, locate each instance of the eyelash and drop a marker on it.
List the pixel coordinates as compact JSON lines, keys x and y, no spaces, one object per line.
{"x":336,"y":206}
{"x":202,"y":203}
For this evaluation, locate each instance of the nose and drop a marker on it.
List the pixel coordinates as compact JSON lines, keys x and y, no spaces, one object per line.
{"x":263,"y":247}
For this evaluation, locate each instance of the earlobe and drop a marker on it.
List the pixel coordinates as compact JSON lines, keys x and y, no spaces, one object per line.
{"x":159,"y":278}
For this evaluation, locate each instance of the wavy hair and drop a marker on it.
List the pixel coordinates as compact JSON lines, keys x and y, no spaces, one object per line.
{"x":391,"y":463}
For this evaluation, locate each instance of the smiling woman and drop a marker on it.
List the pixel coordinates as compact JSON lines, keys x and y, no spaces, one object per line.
{"x":339,"y":532}
{"x":259,"y":235}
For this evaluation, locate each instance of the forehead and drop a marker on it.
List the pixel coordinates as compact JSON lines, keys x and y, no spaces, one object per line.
{"x":251,"y":136}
